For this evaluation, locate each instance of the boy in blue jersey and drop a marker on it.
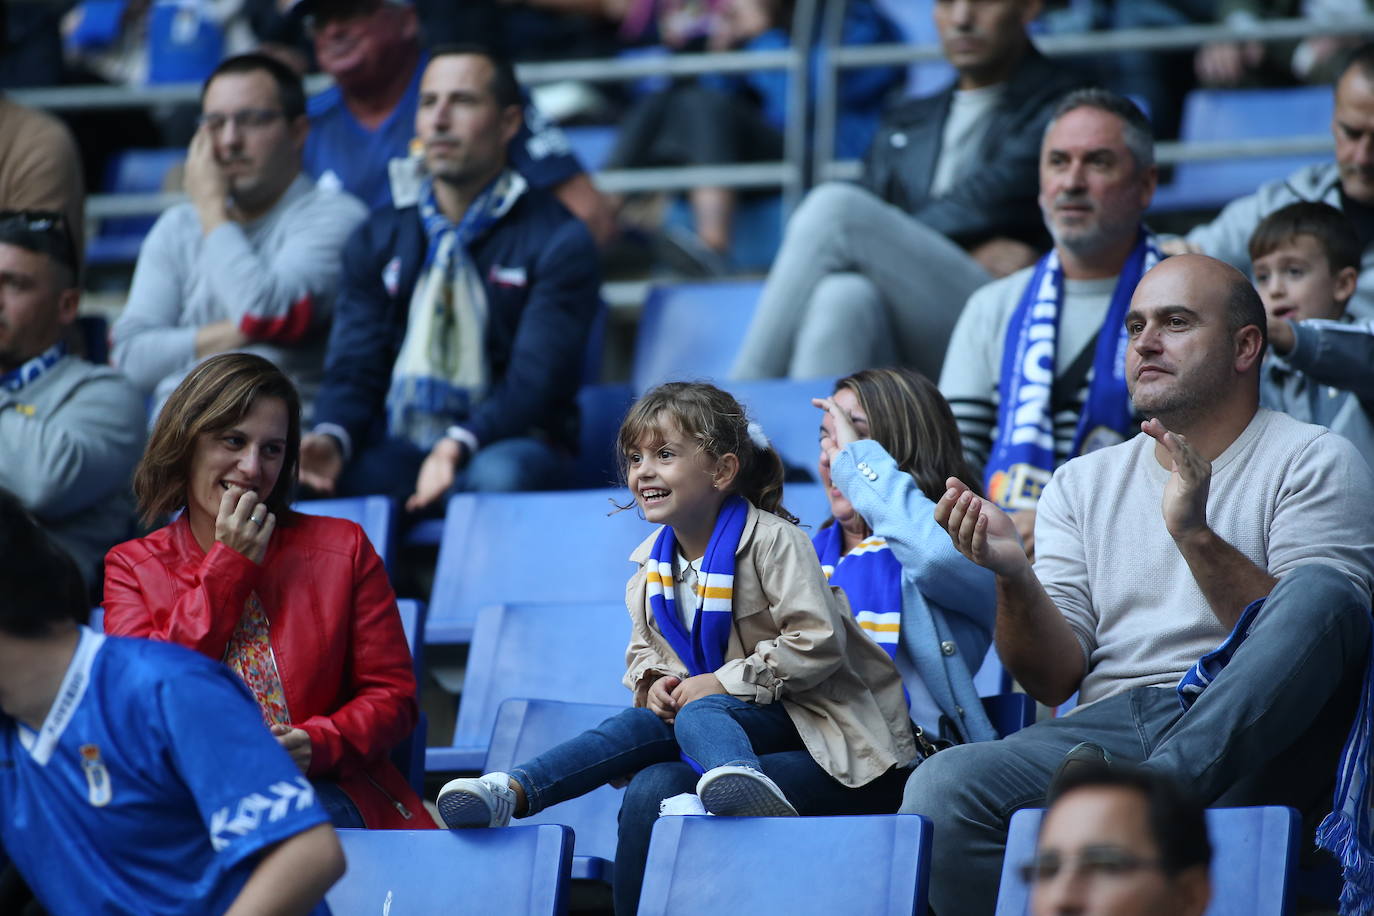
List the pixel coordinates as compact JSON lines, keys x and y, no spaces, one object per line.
{"x":136,"y":777}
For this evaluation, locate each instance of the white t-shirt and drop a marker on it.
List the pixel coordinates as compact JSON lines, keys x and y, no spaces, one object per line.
{"x":1284,"y":494}
{"x":969,"y":116}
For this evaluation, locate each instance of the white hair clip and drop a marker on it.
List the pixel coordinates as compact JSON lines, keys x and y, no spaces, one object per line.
{"x":756,"y":436}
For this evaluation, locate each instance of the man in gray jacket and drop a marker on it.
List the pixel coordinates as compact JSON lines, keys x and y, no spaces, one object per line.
{"x":1347,"y":184}
{"x":70,"y":431}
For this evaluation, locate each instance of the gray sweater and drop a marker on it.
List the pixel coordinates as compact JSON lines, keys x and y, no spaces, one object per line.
{"x":275,"y":277}
{"x":1284,"y":494}
{"x":1327,"y":379}
{"x":69,"y":441}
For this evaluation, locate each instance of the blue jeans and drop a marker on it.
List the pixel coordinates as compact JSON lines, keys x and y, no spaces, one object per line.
{"x":390,"y":467}
{"x":1276,"y":715}
{"x":336,"y":803}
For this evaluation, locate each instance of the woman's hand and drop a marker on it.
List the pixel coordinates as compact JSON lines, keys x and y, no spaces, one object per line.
{"x":845,"y":432}
{"x":660,"y":699}
{"x":694,"y":688}
{"x":296,"y":742}
{"x":244,"y":524}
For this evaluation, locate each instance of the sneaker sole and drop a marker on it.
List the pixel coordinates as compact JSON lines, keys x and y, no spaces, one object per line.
{"x":738,"y":795}
{"x":464,"y":809}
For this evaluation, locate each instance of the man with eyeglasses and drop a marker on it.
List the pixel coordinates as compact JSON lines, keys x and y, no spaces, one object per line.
{"x":1120,"y":842}
{"x":70,"y":431}
{"x":366,"y":120}
{"x":251,"y":260}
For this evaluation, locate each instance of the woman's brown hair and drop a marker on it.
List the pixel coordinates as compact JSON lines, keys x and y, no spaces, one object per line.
{"x":715,"y":421}
{"x":216,"y":394}
{"x":912,"y":421}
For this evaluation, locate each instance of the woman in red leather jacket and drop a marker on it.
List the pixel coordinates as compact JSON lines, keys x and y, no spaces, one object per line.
{"x":298,"y":606}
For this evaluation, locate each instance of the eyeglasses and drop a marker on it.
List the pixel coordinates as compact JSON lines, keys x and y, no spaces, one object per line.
{"x":1100,"y":863}
{"x":43,"y":231}
{"x":244,"y":119}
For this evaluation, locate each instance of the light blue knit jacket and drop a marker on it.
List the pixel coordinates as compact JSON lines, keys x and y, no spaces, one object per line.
{"x":946,"y":598}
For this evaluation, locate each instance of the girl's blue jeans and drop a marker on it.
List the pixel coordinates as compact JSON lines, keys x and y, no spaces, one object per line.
{"x":713,"y":731}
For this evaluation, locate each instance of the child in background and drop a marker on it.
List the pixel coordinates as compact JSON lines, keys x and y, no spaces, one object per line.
{"x":1306,"y":259}
{"x":738,"y":646}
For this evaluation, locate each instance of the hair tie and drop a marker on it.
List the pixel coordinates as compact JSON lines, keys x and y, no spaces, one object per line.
{"x":756,"y":436}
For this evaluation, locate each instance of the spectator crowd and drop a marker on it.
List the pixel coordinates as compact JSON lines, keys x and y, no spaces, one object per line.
{"x":1135,"y":464}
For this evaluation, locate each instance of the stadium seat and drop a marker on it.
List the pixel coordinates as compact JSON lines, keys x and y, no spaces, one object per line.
{"x":602,"y":408}
{"x":1009,"y":712}
{"x":592,"y":144}
{"x":95,"y":338}
{"x":1237,"y":114}
{"x":571,"y":652}
{"x":133,"y":171}
{"x":691,"y":331}
{"x":501,"y":548}
{"x":409,"y":755}
{"x":756,"y":231}
{"x":877,"y":865}
{"x":1254,"y":854}
{"x":783,"y":408}
{"x":376,"y":515}
{"x":527,"y":728}
{"x":518,"y":871}
{"x":992,"y":679}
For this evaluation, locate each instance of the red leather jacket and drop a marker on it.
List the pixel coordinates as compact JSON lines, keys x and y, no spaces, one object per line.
{"x":340,"y":649}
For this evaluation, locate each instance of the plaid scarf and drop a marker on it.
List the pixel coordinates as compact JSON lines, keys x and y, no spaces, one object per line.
{"x":441,"y":372}
{"x":872,"y":580}
{"x":1023,"y":456}
{"x":702,"y":650}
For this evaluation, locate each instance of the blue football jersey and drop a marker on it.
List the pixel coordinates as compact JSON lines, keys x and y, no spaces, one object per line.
{"x":151,"y":787}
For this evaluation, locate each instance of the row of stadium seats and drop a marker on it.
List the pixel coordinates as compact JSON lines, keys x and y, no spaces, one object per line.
{"x":877,"y":865}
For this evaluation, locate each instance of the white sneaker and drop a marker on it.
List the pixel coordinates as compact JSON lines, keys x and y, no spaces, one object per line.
{"x":487,"y":801}
{"x":739,"y":791}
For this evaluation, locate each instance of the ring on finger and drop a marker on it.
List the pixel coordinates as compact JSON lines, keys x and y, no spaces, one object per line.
{"x":258,"y":521}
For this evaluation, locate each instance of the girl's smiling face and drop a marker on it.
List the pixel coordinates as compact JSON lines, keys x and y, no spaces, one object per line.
{"x":675,"y":482}
{"x":247,"y":456}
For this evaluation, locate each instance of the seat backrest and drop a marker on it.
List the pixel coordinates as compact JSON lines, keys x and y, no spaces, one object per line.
{"x":877,"y":865}
{"x":374,"y":514}
{"x":570,"y":652}
{"x":517,"y":871}
{"x":409,"y":755}
{"x":1254,"y":854}
{"x":783,"y":408}
{"x":504,"y":548}
{"x":691,"y":331}
{"x":526,"y":728}
{"x":1237,"y":114}
{"x":602,"y":408}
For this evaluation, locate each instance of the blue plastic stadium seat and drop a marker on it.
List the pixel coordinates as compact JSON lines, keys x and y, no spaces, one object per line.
{"x":516,"y":871}
{"x":569,"y":651}
{"x":877,"y":865}
{"x":1235,"y":114}
{"x":783,"y":408}
{"x":602,"y":408}
{"x":133,"y":171}
{"x":1009,"y":712}
{"x":502,"y":548}
{"x":592,"y":145}
{"x":409,"y":755}
{"x":527,"y":728}
{"x":374,"y":514}
{"x":691,"y":331}
{"x":756,"y":232}
{"x":95,"y":337}
{"x":1254,"y":855}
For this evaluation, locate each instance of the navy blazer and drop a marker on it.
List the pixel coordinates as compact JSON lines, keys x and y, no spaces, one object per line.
{"x":541,"y":270}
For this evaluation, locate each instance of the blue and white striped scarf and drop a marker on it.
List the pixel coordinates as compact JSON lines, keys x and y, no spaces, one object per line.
{"x":871,"y":578}
{"x":1023,"y":458}
{"x":1348,"y":831}
{"x":441,"y":372}
{"x":702,"y":651}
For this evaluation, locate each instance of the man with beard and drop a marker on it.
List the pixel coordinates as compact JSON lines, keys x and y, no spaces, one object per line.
{"x":463,"y":319}
{"x":1219,"y":518}
{"x":1034,"y":373}
{"x":1346,"y":184}
{"x":251,"y":261}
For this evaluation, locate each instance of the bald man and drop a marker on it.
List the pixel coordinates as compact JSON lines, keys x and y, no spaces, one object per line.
{"x":1148,"y":554}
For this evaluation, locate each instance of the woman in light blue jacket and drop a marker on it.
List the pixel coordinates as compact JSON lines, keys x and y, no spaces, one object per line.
{"x":888,"y":442}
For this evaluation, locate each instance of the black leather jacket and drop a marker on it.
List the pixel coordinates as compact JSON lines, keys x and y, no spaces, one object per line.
{"x":997,"y":194}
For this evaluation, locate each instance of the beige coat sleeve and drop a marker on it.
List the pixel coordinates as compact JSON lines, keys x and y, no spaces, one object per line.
{"x":643,"y":663}
{"x":797,"y":640}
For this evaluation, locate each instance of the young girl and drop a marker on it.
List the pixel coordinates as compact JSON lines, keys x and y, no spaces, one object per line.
{"x":738,"y":649}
